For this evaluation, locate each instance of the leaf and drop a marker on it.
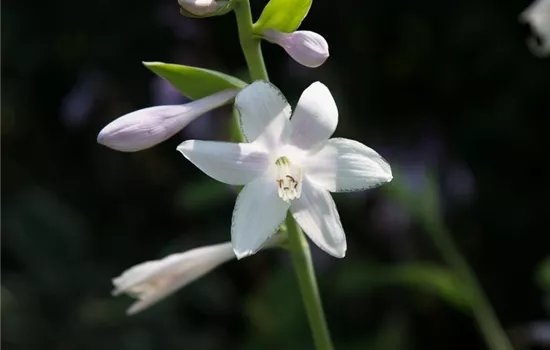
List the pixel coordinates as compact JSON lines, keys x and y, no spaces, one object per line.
{"x":543,"y":274}
{"x":194,"y":82}
{"x":282,"y":15}
{"x":426,"y":277}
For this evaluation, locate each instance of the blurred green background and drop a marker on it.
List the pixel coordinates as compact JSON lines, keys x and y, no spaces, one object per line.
{"x":442,"y":88}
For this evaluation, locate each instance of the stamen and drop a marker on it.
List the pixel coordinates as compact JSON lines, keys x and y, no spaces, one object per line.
{"x":289,"y":180}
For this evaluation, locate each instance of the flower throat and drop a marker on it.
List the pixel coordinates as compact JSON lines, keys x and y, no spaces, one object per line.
{"x":289,"y":179}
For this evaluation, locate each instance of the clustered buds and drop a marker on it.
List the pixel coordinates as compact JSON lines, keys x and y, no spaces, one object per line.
{"x":154,"y":280}
{"x":305,"y":47}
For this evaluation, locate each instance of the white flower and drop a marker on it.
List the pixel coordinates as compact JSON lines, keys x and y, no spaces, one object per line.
{"x":307,"y":48}
{"x":538,"y":16}
{"x":154,"y":280}
{"x":198,"y":7}
{"x":288,"y":164}
{"x":148,"y":127}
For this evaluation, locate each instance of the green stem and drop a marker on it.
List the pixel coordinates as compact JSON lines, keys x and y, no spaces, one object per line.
{"x":249,"y":43}
{"x":303,"y":265}
{"x":485,"y":316}
{"x":298,"y":244}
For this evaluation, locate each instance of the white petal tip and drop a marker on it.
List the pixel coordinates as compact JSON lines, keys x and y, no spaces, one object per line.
{"x":185,"y":146}
{"x":337,"y":253}
{"x":241,"y":255}
{"x":340,"y":255}
{"x":134,"y":309}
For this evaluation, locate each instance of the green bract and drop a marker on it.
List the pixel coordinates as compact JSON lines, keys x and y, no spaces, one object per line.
{"x":194,"y":82}
{"x":282,"y":15}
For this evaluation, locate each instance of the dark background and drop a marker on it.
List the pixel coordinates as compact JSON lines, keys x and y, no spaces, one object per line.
{"x":449,"y":87}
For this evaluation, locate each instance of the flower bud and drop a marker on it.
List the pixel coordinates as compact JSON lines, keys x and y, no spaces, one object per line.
{"x":538,"y":17}
{"x":198,"y":7}
{"x":307,"y":48}
{"x":154,"y":280}
{"x":148,"y":127}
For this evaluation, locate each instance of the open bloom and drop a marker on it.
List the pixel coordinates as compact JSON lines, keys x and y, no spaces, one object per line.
{"x":538,"y":16}
{"x":153,"y":280}
{"x":148,"y":127}
{"x":305,"y":47}
{"x":288,"y":164}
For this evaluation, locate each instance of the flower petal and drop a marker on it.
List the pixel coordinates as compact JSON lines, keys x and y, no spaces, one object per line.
{"x":316,"y":213}
{"x":264,"y":114}
{"x":315,"y":117}
{"x":230,"y":163}
{"x":147,"y":127}
{"x":344,"y":165}
{"x":258,"y":213}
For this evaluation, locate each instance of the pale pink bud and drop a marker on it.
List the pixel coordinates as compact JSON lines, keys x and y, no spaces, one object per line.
{"x":198,"y":7}
{"x":307,"y":48}
{"x":148,"y":127}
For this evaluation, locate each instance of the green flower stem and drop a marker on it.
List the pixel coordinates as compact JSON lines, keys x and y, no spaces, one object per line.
{"x":249,"y":43}
{"x":485,"y":316}
{"x":303,"y":265}
{"x":296,"y":240}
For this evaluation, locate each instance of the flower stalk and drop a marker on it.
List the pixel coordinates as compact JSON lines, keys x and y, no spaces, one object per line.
{"x":301,"y":256}
{"x":485,"y":316}
{"x":297,"y":242}
{"x":250,"y":44}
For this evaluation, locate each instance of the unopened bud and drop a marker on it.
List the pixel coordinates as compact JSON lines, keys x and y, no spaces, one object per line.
{"x":154,"y":280}
{"x":307,"y":48}
{"x":148,"y":127}
{"x":198,"y":7}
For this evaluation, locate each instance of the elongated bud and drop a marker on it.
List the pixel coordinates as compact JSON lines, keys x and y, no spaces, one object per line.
{"x":538,"y":17}
{"x":148,"y":127}
{"x":307,"y":48}
{"x":198,"y":7}
{"x":154,"y":280}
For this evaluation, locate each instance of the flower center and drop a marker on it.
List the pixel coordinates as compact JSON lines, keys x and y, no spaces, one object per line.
{"x":289,"y":179}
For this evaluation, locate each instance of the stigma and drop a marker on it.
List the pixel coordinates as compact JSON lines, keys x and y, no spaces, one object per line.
{"x":289,"y":179}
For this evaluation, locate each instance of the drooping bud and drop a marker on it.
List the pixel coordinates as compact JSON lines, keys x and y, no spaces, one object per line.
{"x":538,"y":17}
{"x":154,"y":280}
{"x":305,"y":47}
{"x":151,"y":281}
{"x":198,"y":7}
{"x":148,"y":127}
